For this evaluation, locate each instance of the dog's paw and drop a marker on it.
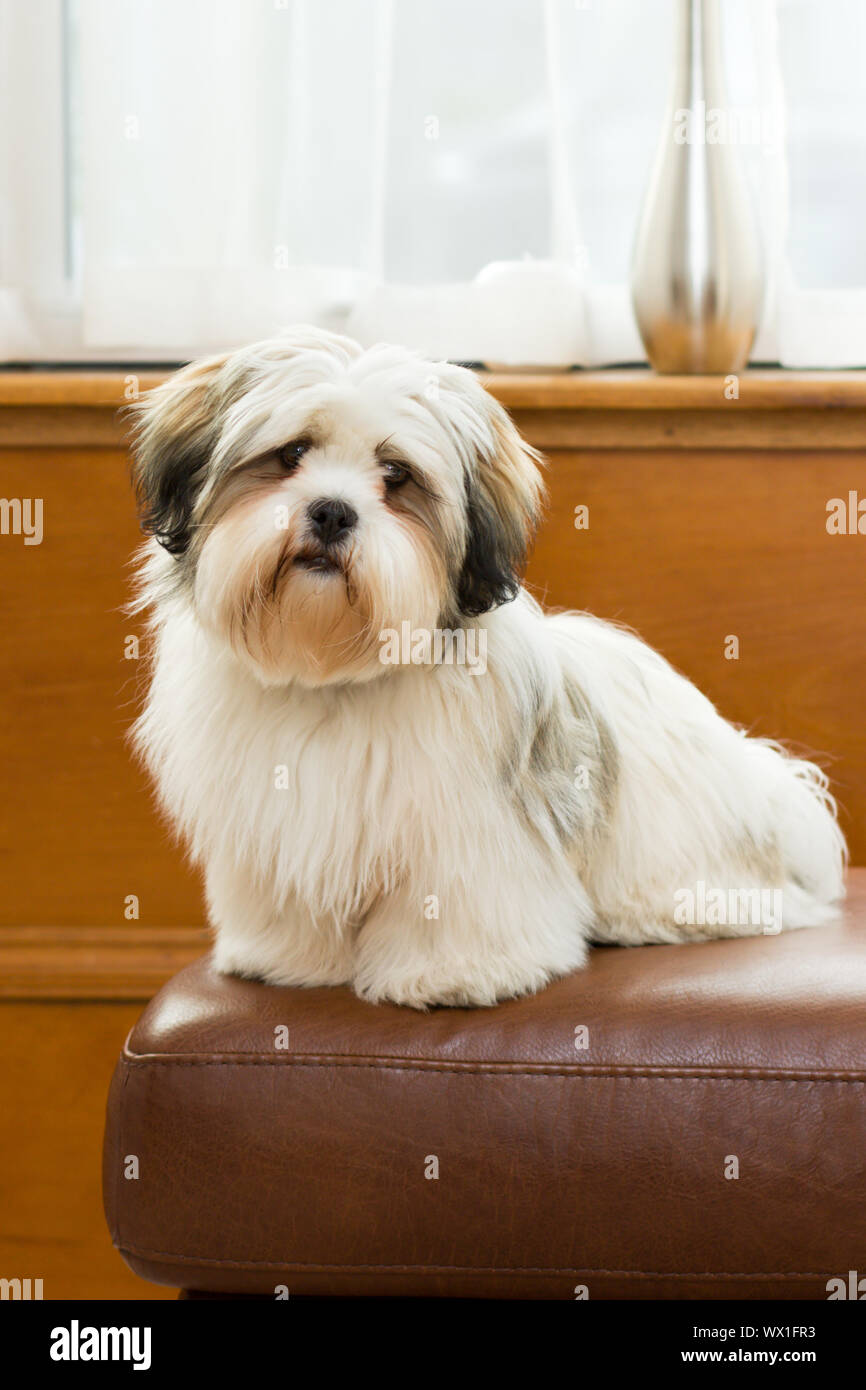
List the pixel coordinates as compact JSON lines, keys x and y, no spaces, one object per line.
{"x":428,"y":988}
{"x":308,"y":970}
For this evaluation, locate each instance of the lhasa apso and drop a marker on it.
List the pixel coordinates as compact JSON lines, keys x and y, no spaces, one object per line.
{"x":396,"y":771}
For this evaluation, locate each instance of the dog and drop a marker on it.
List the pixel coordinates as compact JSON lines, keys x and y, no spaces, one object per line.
{"x":427,"y":830}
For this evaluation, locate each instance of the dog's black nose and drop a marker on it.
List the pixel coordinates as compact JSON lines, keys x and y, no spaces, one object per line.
{"x":331,"y":518}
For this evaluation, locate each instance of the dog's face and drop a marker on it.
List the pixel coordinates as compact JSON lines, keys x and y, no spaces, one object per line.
{"x":310,"y":494}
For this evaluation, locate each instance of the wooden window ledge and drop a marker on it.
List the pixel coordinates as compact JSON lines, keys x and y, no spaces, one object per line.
{"x":632,"y":407}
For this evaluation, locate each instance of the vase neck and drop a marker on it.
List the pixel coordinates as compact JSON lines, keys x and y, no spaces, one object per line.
{"x":698,"y":70}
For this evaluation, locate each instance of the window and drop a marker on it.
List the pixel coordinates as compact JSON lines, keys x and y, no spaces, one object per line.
{"x":464,"y":176}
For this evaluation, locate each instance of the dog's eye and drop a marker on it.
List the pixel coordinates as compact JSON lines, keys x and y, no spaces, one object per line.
{"x":395,"y":473}
{"x":291,"y":454}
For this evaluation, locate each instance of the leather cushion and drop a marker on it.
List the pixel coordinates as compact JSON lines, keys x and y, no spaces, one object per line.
{"x":558,"y":1167}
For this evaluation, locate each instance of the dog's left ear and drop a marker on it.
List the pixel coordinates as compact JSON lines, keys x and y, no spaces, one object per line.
{"x":503,"y":501}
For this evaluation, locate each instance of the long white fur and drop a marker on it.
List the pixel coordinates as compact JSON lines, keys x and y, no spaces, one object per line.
{"x":423,"y":834}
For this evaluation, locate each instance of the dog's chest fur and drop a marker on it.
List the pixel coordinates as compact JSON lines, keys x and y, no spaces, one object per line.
{"x":334,"y":794}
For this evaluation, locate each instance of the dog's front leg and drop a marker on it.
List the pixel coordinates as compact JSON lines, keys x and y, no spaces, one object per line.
{"x":499,"y":936}
{"x":285,"y":945}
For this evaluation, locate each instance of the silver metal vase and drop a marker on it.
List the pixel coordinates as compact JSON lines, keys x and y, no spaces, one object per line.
{"x":697,"y":271}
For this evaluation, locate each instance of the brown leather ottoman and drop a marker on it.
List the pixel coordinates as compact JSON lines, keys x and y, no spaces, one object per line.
{"x":674,"y":1122}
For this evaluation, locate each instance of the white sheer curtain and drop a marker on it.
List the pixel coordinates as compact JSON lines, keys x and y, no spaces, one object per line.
{"x":822,"y":307}
{"x":464,"y":175}
{"x":233,"y":172}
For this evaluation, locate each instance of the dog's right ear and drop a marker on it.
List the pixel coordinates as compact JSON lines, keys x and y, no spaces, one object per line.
{"x":175,"y":431}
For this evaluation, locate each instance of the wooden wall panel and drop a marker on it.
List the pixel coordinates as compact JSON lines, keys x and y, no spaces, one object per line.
{"x":56,"y":1061}
{"x":78,"y":831}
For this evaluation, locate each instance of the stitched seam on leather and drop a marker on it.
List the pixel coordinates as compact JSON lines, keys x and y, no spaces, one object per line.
{"x":143,"y":1060}
{"x":456,"y":1269}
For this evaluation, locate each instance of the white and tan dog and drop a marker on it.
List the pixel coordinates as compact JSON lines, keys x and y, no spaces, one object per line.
{"x":426,"y":831}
